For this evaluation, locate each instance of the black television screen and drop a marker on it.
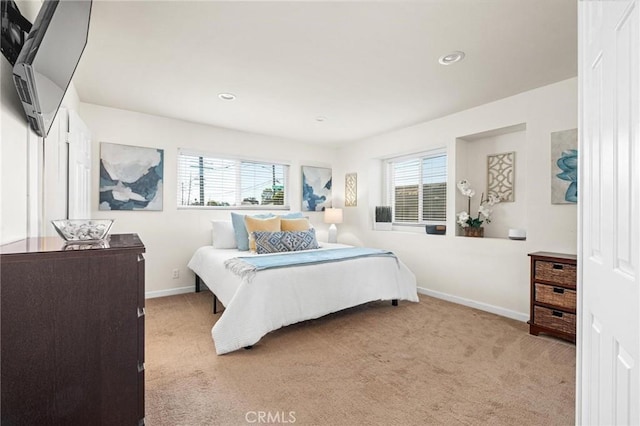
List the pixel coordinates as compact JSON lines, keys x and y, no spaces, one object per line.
{"x":49,"y":58}
{"x":13,"y":31}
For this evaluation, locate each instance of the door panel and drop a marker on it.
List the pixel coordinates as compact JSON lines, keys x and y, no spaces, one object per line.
{"x":609,"y":299}
{"x":79,"y":168}
{"x":55,"y":173}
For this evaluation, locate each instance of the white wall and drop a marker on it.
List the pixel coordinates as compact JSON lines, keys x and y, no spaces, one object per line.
{"x":17,"y":139}
{"x":33,"y":171}
{"x":13,"y":161}
{"x":171,"y":236}
{"x":492,"y":272}
{"x":33,"y":176}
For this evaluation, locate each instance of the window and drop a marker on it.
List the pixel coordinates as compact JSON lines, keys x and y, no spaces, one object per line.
{"x":223,"y":182}
{"x":417,"y":188}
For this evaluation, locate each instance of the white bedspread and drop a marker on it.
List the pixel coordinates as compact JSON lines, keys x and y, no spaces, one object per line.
{"x":279,"y":297}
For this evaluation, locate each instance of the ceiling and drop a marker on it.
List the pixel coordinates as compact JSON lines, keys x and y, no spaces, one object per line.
{"x":367,"y":67}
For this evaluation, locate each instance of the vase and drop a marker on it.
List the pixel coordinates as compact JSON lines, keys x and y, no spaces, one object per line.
{"x":472,"y":231}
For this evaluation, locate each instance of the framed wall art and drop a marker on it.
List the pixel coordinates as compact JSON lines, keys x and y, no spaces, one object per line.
{"x":316,"y":188}
{"x":564,"y":167}
{"x":130,"y":177}
{"x":501,"y":170}
{"x":351,"y":190}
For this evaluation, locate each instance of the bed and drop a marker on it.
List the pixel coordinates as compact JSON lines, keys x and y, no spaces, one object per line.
{"x":269,"y":299}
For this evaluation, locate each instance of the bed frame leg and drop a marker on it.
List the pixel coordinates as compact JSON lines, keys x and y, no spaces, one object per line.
{"x":394,"y":302}
{"x":197,"y":284}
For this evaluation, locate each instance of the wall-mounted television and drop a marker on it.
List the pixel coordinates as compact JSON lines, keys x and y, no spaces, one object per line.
{"x":48,"y":59}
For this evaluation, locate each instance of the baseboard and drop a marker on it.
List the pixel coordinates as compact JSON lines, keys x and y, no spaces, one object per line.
{"x":433,"y":293}
{"x":169,"y":292}
{"x":474,"y":304}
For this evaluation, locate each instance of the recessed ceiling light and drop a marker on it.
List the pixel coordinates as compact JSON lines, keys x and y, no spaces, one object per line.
{"x":321,"y":118}
{"x":227,"y":96}
{"x":451,"y":58}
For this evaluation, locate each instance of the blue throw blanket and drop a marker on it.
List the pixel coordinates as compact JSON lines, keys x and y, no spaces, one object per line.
{"x":247,"y":266}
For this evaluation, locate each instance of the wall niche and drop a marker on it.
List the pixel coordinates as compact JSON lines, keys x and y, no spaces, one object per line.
{"x":507,"y":177}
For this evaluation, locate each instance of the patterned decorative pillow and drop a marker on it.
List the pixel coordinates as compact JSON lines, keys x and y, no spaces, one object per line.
{"x":277,"y":242}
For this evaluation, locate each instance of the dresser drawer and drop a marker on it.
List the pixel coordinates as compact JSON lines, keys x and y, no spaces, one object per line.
{"x":141,"y":398}
{"x":555,"y":272}
{"x":555,"y":319}
{"x":557,"y":296}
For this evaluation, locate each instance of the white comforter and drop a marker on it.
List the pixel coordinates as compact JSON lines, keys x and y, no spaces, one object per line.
{"x":278,"y":297}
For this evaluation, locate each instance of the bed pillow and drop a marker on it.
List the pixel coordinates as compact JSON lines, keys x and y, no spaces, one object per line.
{"x":240,"y":229}
{"x":301,"y":224}
{"x":223,"y":235}
{"x":254,"y":224}
{"x":284,"y":241}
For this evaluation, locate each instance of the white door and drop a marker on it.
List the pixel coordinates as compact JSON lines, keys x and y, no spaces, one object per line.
{"x":608,"y":391}
{"x":79,"y":168}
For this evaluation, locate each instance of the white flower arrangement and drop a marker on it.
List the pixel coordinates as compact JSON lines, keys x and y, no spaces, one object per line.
{"x":484,"y":210}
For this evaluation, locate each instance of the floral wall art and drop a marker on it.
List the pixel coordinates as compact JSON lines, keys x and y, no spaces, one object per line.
{"x":316,"y":188}
{"x":130,"y":177}
{"x":564,"y":167}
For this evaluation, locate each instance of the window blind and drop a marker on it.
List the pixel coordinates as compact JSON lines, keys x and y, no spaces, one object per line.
{"x":221,"y":182}
{"x":417,"y":188}
{"x":434,"y":188}
{"x":406,"y":188}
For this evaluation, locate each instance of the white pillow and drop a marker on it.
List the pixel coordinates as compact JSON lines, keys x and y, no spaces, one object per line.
{"x":223,"y":236}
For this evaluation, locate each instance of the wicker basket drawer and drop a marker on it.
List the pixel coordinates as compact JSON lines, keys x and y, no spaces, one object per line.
{"x":560,"y":273}
{"x":557,"y":320}
{"x":557,"y":296}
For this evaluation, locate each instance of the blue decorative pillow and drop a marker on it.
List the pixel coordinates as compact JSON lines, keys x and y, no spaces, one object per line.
{"x":277,"y":242}
{"x":240,"y":229}
{"x":296,"y":215}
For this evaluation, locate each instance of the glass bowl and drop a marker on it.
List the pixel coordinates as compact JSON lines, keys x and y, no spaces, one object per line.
{"x":83,"y":230}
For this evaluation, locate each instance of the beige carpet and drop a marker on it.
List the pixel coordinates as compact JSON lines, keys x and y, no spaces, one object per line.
{"x":431,"y":362}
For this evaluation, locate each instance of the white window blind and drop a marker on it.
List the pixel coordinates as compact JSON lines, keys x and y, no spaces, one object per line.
{"x":417,"y":188}
{"x":220,"y":182}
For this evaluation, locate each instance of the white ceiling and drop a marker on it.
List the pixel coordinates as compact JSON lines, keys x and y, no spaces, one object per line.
{"x":368,"y":67}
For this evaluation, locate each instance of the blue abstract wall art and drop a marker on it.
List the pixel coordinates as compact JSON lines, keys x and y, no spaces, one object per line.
{"x":131,"y":177}
{"x":316,"y":188}
{"x":568,"y":163}
{"x":564,"y":167}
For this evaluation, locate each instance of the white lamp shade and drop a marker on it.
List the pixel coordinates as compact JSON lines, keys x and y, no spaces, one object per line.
{"x":332,"y":215}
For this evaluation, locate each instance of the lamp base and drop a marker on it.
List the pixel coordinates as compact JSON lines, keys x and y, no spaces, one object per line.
{"x":333,"y":233}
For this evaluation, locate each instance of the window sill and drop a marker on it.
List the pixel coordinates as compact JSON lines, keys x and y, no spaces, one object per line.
{"x":489,"y":238}
{"x":407,"y":229}
{"x":231,"y":208}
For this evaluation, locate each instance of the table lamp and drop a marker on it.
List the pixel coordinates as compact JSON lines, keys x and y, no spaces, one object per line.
{"x":333,"y":216}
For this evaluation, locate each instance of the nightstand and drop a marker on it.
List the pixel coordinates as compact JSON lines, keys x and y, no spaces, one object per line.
{"x":553,"y":295}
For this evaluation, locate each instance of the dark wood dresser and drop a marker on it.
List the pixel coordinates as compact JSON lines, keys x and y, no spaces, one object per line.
{"x":553,"y":294}
{"x":72,"y":333}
